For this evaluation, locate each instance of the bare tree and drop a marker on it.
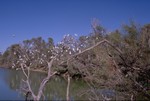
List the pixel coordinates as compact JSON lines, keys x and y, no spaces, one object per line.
{"x":42,"y":84}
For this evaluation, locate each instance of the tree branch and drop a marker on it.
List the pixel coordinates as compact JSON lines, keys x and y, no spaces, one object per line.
{"x":68,"y":86}
{"x":43,"y":83}
{"x":99,"y":43}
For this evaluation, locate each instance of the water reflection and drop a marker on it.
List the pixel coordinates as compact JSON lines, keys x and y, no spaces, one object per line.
{"x":54,"y":90}
{"x":6,"y":93}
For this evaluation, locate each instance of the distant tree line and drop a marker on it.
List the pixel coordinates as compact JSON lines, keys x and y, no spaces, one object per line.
{"x":124,"y":56}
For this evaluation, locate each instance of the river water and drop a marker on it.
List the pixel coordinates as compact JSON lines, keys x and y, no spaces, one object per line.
{"x":55,"y":89}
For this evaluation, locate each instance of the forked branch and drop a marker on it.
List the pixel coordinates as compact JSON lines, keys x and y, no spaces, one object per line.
{"x":43,"y":83}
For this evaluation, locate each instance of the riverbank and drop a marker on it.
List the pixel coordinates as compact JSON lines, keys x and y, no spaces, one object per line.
{"x":60,"y":74}
{"x":33,"y":70}
{"x":55,"y":89}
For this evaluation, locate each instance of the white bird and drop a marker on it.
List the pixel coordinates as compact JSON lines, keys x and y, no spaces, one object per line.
{"x":19,"y":56}
{"x":13,"y":67}
{"x":30,"y":64}
{"x":81,"y":45}
{"x":51,"y":57}
{"x":70,"y":52}
{"x":79,"y":51}
{"x":73,"y":49}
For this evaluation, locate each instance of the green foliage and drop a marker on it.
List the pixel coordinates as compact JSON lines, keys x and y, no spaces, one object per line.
{"x":33,"y":48}
{"x":97,"y":64}
{"x":98,"y":32}
{"x":131,"y":34}
{"x":116,"y":38}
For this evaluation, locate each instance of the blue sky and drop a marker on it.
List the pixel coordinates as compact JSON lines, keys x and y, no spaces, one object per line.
{"x":53,"y":18}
